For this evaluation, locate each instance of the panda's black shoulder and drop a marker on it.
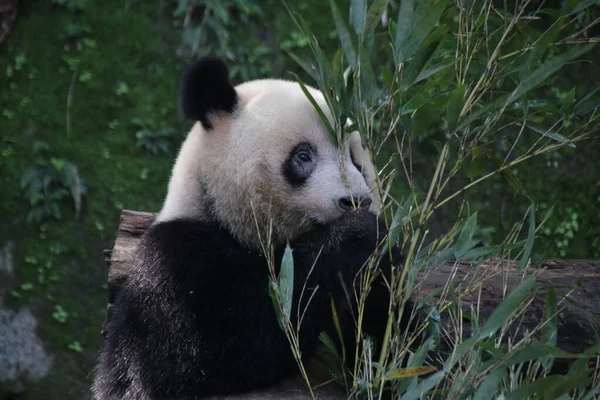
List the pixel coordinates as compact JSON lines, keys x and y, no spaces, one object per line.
{"x":179,"y":233}
{"x":169,"y":254}
{"x":185,"y":242}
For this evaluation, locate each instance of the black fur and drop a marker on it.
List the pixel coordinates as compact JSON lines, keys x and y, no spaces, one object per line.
{"x":205,"y":88}
{"x":297,"y":170}
{"x":195,"y":317}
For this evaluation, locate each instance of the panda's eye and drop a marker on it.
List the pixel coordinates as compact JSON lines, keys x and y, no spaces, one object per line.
{"x":300,"y":164}
{"x":304,"y":156}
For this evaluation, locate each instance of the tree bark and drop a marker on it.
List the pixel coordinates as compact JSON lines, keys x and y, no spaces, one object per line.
{"x":479,"y":287}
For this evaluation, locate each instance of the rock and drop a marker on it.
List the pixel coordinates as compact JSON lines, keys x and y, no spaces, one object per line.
{"x":22,"y":353}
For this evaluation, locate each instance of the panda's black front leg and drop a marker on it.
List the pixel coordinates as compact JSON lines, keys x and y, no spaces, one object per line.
{"x":341,"y":248}
{"x":250,"y":350}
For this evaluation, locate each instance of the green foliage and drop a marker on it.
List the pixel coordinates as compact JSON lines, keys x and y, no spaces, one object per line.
{"x":281,"y":290}
{"x":49,"y":183}
{"x":76,"y":347}
{"x":514,"y":73}
{"x":250,"y":34}
{"x":124,"y":55}
{"x":72,"y":5}
{"x":73,"y":29}
{"x":563,"y":231}
{"x":462,"y":81}
{"x":60,"y":314}
{"x":215,"y":26}
{"x":150,"y":137}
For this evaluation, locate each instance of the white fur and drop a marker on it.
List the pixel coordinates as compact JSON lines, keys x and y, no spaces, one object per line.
{"x":238,"y":164}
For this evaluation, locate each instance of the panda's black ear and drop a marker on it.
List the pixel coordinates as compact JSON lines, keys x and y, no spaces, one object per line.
{"x":205,"y":88}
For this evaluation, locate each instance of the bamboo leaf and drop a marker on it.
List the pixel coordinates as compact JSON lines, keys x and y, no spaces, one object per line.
{"x":512,"y":180}
{"x":374,"y":15}
{"x":432,"y":71}
{"x":481,"y":112}
{"x":430,"y":115}
{"x":465,"y":241}
{"x":415,"y":25}
{"x":401,"y":373}
{"x":507,"y":308}
{"x":274,"y":293}
{"x":550,"y":329}
{"x":545,"y":71}
{"x":303,"y":64}
{"x":487,"y":251}
{"x":550,"y":387}
{"x":413,"y":72}
{"x":322,"y":71}
{"x":328,"y":342}
{"x":421,"y":354}
{"x":489,"y":386}
{"x":588,"y":102}
{"x":414,"y":104}
{"x":455,"y":105}
{"x":416,"y":392}
{"x":430,"y":382}
{"x":367,"y":76}
{"x":530,"y":239}
{"x":417,"y":359}
{"x":396,"y":226}
{"x":286,"y":282}
{"x":403,"y":26}
{"x":574,"y":6}
{"x":541,"y":45}
{"x":508,"y":175}
{"x":358,"y":15}
{"x":592,"y":394}
{"x":317,"y":108}
{"x":344,"y":34}
{"x":551,"y":135}
{"x":582,"y":363}
{"x":529,"y":352}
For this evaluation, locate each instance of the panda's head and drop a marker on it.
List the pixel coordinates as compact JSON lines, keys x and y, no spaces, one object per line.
{"x":259,"y":160}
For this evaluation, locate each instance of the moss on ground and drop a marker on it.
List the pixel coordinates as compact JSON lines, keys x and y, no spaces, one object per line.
{"x":121,"y":59}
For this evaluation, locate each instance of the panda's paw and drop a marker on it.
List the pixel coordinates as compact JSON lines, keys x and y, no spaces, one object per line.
{"x":358,"y":220}
{"x":356,"y":225}
{"x":361,"y":228}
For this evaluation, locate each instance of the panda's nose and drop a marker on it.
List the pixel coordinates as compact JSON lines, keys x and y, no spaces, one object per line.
{"x":348,"y":203}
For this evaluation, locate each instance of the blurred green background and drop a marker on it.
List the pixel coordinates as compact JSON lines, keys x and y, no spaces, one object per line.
{"x":89,"y":125}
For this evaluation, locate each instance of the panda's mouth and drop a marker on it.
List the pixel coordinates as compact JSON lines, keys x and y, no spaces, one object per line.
{"x":317,"y":219}
{"x":314,"y":219}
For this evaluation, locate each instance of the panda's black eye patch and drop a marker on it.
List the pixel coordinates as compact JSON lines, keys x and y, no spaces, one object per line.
{"x":300,"y":164}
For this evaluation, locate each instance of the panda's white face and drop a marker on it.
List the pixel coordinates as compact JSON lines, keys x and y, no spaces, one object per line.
{"x":269,"y":170}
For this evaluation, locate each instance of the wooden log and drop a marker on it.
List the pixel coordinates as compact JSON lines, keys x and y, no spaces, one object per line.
{"x":576,"y":282}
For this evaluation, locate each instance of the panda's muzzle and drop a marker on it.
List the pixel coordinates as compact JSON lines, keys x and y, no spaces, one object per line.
{"x":349,"y":203}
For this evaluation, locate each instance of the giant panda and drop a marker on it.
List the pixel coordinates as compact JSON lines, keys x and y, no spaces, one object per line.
{"x":257,"y":171}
